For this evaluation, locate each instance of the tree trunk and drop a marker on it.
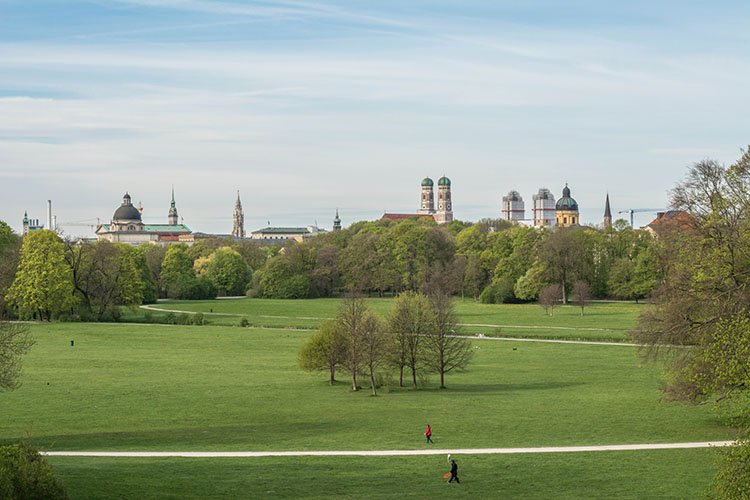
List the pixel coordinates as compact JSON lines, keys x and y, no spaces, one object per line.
{"x":372,"y":382}
{"x":414,"y":376}
{"x":354,"y":381}
{"x":564,"y":295}
{"x":401,"y":376}
{"x":332,"y":380}
{"x":442,"y":379}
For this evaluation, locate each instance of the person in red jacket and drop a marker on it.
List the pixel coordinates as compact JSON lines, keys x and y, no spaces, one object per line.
{"x":428,"y":434}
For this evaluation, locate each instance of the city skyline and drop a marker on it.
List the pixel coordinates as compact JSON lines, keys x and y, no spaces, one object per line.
{"x":309,"y":107}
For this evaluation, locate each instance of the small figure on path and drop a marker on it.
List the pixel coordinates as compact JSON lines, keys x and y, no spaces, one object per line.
{"x":428,"y":434}
{"x":454,"y":472}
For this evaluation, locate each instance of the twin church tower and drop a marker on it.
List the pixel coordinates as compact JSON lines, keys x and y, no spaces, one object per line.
{"x":444,"y":212}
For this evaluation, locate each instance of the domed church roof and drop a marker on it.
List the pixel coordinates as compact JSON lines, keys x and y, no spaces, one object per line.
{"x":566,"y":202}
{"x":444,"y":181}
{"x":126,"y":211}
{"x":426,"y":182}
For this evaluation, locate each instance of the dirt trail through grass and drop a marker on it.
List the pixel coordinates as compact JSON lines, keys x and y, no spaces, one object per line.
{"x":386,"y":453}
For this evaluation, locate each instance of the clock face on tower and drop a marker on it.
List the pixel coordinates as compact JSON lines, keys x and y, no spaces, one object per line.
{"x":440,"y":206}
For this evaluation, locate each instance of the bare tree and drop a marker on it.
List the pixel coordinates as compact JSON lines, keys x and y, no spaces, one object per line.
{"x":14,"y":342}
{"x":549,"y":296}
{"x":445,"y":350}
{"x":351,"y":320}
{"x":409,"y":321}
{"x":581,"y":294}
{"x":373,"y":346}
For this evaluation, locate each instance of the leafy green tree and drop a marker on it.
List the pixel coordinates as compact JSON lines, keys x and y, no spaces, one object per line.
{"x":105,"y":276}
{"x":10,"y":245}
{"x":43,"y":286}
{"x":409,"y":322}
{"x":154,"y":257}
{"x":14,"y":342}
{"x":373,"y":347}
{"x":562,"y":256}
{"x":325,"y":350}
{"x":529,"y":285}
{"x":25,"y":474}
{"x":149,"y":289}
{"x":177,"y":274}
{"x":445,"y":351}
{"x":228,"y":271}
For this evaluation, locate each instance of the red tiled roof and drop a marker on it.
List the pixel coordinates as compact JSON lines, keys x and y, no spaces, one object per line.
{"x":388,"y":216}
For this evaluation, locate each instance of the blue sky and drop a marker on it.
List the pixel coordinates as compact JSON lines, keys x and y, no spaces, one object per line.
{"x":306,"y":107}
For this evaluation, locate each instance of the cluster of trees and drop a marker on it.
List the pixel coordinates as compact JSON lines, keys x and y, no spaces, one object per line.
{"x":44,"y":277}
{"x":700,"y":323}
{"x":418,"y":337}
{"x":491,"y":261}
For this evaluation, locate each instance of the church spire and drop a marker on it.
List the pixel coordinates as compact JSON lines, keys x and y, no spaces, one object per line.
{"x":607,"y":214}
{"x":337,"y":222}
{"x":173,"y":218}
{"x":238,"y":219}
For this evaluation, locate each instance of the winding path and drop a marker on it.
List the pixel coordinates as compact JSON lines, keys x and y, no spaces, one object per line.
{"x":384,"y":453}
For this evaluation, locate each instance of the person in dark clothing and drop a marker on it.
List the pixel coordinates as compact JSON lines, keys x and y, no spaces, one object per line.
{"x":428,"y":434}
{"x":454,"y":472}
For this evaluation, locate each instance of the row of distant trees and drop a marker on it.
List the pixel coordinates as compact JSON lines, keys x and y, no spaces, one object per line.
{"x":44,"y":277}
{"x":418,"y":337}
{"x":492,"y":261}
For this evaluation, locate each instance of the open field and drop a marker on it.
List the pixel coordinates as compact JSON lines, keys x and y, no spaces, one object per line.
{"x":159,"y":387}
{"x":601,"y":321}
{"x":649,"y":474}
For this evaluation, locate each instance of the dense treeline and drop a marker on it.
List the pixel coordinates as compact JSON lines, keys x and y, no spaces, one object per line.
{"x":491,"y":261}
{"x":43,"y":276}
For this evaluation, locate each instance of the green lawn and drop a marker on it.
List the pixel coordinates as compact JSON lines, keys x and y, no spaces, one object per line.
{"x":161,"y":387}
{"x":601,"y":321}
{"x":637,"y":475}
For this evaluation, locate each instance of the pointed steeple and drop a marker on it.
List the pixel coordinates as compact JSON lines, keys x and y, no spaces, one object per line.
{"x":337,"y":222}
{"x":173,"y":218}
{"x":607,"y":214}
{"x":238,"y":219}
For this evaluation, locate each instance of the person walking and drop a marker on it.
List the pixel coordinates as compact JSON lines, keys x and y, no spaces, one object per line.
{"x":454,"y":472}
{"x":428,"y":434}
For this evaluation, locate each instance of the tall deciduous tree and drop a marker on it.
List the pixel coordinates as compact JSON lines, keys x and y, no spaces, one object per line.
{"x":228,"y":271}
{"x":581,"y":294}
{"x":43,"y":286}
{"x":373,"y":347}
{"x":446,"y":351}
{"x":10,"y":245}
{"x":14,"y":342}
{"x":409,"y":322}
{"x":352,"y":320}
{"x":562,"y":257}
{"x":326,"y":350}
{"x":549,"y":296}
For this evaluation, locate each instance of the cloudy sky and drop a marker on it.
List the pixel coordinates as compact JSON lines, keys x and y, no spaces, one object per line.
{"x":306,"y":107}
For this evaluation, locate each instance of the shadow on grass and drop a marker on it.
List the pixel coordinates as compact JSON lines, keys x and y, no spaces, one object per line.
{"x":261,"y":436}
{"x":487,"y":388}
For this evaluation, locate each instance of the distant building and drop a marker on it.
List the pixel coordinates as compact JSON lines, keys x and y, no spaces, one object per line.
{"x":566,"y":209}
{"x":281,"y":234}
{"x":513,"y":208}
{"x":444,"y":212}
{"x":669,"y":221}
{"x":128,"y":227}
{"x":607,"y":214}
{"x":544,"y":208}
{"x":30,"y":225}
{"x":337,"y":222}
{"x":238,"y":219}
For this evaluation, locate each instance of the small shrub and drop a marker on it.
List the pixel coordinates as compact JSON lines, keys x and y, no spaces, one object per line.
{"x":170,"y":318}
{"x":733,"y":478}
{"x":183,"y":319}
{"x":24,"y":473}
{"x":198,"y":319}
{"x":148,"y":317}
{"x":244,"y":322}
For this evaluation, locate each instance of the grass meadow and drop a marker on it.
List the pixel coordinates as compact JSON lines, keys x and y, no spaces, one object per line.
{"x":127,"y":387}
{"x":600,"y":321}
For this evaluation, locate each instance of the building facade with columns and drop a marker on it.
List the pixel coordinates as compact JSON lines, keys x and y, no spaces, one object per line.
{"x":127,"y":226}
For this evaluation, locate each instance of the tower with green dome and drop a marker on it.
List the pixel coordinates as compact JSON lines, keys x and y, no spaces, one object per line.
{"x":427,"y":204}
{"x":444,"y":213}
{"x":337,"y":222}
